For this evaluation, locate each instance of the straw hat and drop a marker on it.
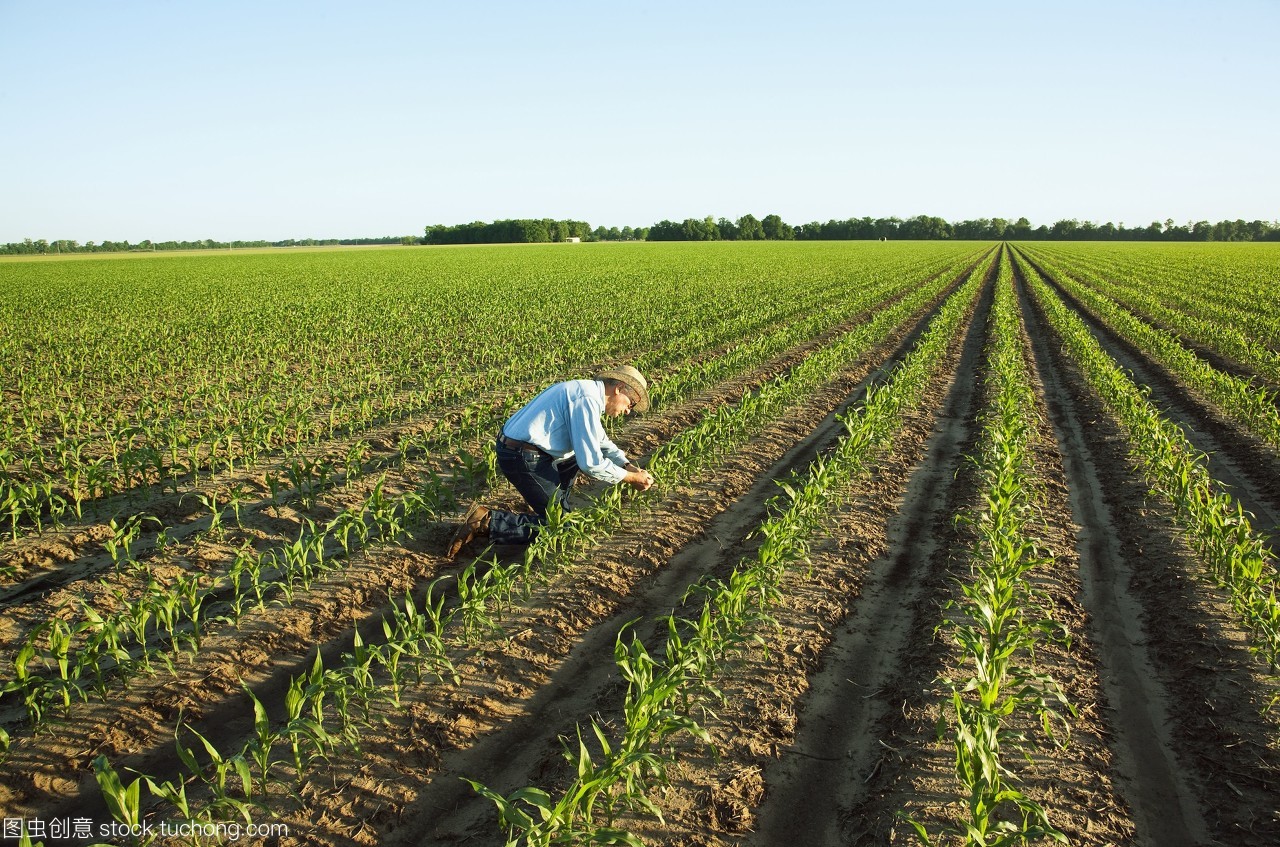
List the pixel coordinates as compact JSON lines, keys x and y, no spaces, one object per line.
{"x":633,"y":379}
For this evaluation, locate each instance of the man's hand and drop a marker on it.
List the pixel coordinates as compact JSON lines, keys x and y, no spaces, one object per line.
{"x":638,"y":479}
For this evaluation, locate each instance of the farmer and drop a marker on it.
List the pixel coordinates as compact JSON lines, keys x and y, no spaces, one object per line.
{"x":542,"y":447}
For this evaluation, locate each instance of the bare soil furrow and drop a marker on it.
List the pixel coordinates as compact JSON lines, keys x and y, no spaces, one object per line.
{"x":1198,"y":762}
{"x":915,"y":775}
{"x":1163,"y":807}
{"x":1249,"y":469}
{"x":819,"y":780}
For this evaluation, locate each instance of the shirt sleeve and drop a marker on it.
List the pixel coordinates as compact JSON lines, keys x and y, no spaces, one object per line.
{"x":597,"y":456}
{"x":612,"y":451}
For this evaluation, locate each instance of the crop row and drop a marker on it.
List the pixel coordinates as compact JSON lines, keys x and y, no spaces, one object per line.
{"x":992,"y":623}
{"x":1229,"y":286}
{"x":1252,"y":407}
{"x":665,"y":691}
{"x":1215,"y":525}
{"x":1174,"y":306}
{"x":65,"y":661}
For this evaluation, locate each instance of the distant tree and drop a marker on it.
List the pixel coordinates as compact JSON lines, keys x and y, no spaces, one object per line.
{"x":924,"y":227}
{"x":700,"y":230}
{"x":886,"y":228}
{"x":812,"y":231}
{"x":665,"y":230}
{"x":979,"y":228}
{"x":775,"y":229}
{"x":1019,"y":230}
{"x":750,"y":229}
{"x":523,"y":230}
{"x":728,"y":231}
{"x":1236,"y":230}
{"x":1064,"y":229}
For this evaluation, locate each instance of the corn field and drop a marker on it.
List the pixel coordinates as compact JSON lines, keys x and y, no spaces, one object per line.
{"x":951,"y":544}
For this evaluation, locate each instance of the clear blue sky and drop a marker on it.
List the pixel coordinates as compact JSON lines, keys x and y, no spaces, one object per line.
{"x":246,"y":120}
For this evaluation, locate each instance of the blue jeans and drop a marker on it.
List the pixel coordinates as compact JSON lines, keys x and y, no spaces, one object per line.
{"x":540,"y":480}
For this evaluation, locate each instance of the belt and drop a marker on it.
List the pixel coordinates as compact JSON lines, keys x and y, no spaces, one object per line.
{"x":518,"y":445}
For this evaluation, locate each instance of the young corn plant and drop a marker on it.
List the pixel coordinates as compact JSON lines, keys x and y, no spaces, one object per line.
{"x":419,"y":635}
{"x":357,"y":454}
{"x":990,"y":622}
{"x":123,"y":802}
{"x":348,"y":521}
{"x":474,"y":591}
{"x":532,"y":819}
{"x":358,"y":666}
{"x":304,"y":719}
{"x":210,"y":502}
{"x":259,"y":748}
{"x":31,"y":686}
{"x":119,"y":545}
{"x":245,"y":579}
{"x":220,"y":777}
{"x":237,"y":496}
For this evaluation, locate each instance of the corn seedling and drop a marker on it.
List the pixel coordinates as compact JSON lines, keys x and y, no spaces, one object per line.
{"x":123,"y":802}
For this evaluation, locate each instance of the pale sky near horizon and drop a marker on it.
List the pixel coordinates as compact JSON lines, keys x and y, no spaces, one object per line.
{"x":273,"y":120}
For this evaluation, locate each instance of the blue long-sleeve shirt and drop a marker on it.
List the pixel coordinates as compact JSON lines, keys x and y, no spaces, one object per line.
{"x":564,"y":420}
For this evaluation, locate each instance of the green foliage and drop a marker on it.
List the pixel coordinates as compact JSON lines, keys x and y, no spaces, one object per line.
{"x":514,"y":231}
{"x":1237,"y":557}
{"x":993,"y":621}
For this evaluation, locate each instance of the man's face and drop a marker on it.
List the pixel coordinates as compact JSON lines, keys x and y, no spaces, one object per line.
{"x":617,"y":402}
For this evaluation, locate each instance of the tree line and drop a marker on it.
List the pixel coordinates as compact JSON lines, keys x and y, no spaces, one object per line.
{"x":745,"y":228}
{"x":919,"y":228}
{"x":930,"y":228}
{"x":41,"y":246}
{"x":513,"y":231}
{"x":924,"y":227}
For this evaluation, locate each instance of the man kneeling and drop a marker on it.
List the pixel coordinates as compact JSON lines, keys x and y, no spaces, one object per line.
{"x":542,"y":447}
